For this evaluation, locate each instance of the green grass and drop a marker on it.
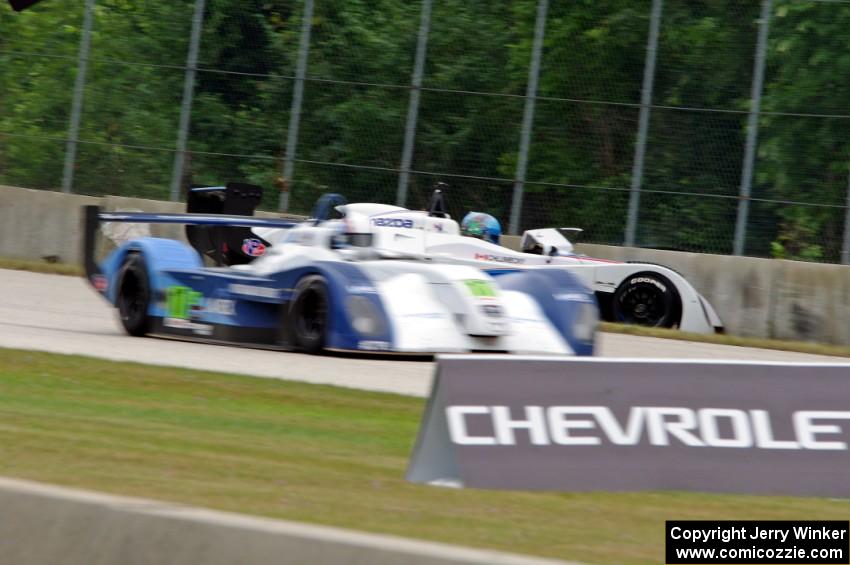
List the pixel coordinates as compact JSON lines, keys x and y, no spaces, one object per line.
{"x":726,"y":339}
{"x":310,"y":453}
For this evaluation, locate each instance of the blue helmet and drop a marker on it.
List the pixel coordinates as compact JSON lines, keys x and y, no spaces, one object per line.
{"x":480,"y":225}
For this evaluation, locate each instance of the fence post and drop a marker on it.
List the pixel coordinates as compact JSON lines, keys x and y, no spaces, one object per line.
{"x":295,"y":111}
{"x":643,"y":122}
{"x":528,"y":116}
{"x":188,"y":94}
{"x":752,"y":130}
{"x":413,"y":106}
{"x":77,"y":102}
{"x":845,"y":247}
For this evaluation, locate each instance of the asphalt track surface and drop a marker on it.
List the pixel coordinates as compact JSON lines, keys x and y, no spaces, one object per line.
{"x":62,"y":314}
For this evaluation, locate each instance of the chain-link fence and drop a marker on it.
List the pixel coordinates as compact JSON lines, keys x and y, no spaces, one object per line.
{"x":714,"y":126}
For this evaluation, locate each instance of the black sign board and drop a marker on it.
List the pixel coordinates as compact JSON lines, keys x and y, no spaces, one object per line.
{"x":583,"y":424}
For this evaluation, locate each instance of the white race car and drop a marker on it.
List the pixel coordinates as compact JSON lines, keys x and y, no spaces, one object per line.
{"x":631,"y":293}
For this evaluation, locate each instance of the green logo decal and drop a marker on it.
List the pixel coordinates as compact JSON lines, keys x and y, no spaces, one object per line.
{"x":479,"y":288}
{"x":179,"y":301}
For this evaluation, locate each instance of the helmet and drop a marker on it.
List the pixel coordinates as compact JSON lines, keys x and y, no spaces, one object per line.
{"x":482,"y":226}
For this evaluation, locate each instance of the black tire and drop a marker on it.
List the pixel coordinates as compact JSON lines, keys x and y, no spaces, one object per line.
{"x":647,"y":299}
{"x":134,"y":296}
{"x":309,"y":314}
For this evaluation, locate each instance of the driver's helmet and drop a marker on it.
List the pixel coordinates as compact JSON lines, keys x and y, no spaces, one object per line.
{"x":480,"y":225}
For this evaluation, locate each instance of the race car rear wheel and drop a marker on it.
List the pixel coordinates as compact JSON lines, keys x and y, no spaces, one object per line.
{"x":134,"y":296}
{"x":647,"y":299}
{"x":309,"y":314}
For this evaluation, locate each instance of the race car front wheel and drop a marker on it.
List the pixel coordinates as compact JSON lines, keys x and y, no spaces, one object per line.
{"x":134,"y":296}
{"x":647,"y":299}
{"x":309,"y":314}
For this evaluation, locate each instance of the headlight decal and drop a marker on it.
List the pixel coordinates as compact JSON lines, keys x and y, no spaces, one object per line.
{"x":364,"y":316}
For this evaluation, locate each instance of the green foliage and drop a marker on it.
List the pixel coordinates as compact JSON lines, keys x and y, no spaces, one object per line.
{"x":357,"y":94}
{"x":806,"y":158}
{"x":797,"y":235}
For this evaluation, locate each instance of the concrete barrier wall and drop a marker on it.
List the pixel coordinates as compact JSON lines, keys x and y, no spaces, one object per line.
{"x":754,"y":297}
{"x":759,"y":297}
{"x":39,"y":224}
{"x":35,"y":224}
{"x":48,"y":524}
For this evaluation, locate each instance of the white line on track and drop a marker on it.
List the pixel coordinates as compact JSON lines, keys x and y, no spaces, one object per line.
{"x":62,"y":314}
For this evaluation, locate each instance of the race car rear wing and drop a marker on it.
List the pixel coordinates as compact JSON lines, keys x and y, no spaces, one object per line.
{"x":93,"y":216}
{"x":223,"y":244}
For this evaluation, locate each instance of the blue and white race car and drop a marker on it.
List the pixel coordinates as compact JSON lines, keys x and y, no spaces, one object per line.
{"x":322,"y":285}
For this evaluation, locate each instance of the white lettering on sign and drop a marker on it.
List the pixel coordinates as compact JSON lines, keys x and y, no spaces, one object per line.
{"x":808,"y":430}
{"x":657,"y":425}
{"x":457,"y":424}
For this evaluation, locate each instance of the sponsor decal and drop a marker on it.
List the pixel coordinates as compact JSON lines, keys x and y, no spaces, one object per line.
{"x":259,"y":291}
{"x":100,"y":283}
{"x":181,"y":302}
{"x":222,"y":306}
{"x":392,"y":223}
{"x":647,"y":280}
{"x":572,"y":297}
{"x":183,"y":324}
{"x":498,"y":258}
{"x":480,"y":288}
{"x":657,"y":426}
{"x":373,"y":345}
{"x":253,"y":247}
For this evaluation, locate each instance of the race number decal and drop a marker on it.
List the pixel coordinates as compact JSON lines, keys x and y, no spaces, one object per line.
{"x":179,"y":301}
{"x":479,"y":288}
